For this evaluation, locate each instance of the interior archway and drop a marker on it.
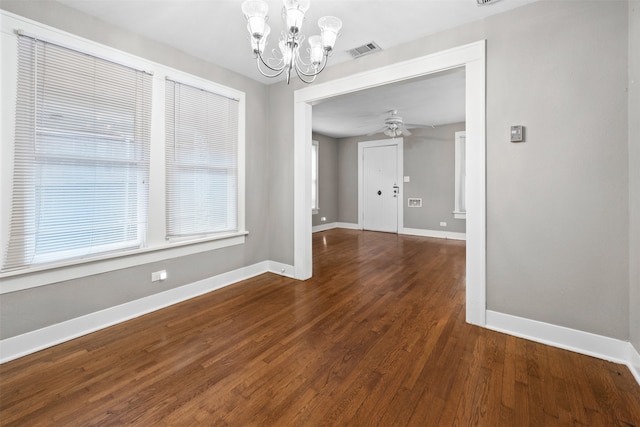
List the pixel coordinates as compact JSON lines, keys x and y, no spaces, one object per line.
{"x":472,"y":57}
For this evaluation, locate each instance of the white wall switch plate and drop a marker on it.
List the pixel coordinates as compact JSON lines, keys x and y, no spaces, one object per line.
{"x":407,"y":179}
{"x":443,"y":224}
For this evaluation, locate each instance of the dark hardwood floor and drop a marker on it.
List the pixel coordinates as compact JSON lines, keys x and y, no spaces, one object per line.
{"x":376,"y":338}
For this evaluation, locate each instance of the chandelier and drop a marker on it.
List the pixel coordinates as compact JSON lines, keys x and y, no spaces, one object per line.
{"x":287,"y":57}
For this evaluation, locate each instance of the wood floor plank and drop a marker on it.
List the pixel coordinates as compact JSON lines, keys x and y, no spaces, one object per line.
{"x":376,"y":338}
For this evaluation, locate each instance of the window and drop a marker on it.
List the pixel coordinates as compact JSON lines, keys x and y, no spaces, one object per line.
{"x":460,"y":207}
{"x":201,"y":161}
{"x":87,"y":185}
{"x":81,"y":156}
{"x":314,"y":177}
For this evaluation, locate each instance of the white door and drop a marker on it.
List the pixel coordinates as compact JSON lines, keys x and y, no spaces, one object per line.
{"x":380,"y":187}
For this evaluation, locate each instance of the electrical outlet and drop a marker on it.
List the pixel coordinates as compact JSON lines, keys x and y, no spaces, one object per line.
{"x":158,"y":276}
{"x":443,"y":224}
{"x":323,"y":218}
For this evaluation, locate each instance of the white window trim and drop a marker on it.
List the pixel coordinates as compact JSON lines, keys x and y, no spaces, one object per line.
{"x":316,"y":209}
{"x":157,"y":248}
{"x":460,"y":138}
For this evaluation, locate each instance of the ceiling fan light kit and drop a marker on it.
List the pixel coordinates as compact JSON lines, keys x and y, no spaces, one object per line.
{"x":394,"y":125}
{"x":287,"y":57}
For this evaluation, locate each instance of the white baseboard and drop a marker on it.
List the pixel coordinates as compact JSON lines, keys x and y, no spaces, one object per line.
{"x":332,"y":225}
{"x":30,"y":342}
{"x":452,"y":235}
{"x":323,"y":227}
{"x":349,"y":225}
{"x":599,"y":346}
{"x":410,"y":231}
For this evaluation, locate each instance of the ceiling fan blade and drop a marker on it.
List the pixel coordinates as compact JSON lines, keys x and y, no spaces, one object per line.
{"x":413,"y":125}
{"x":405,"y":131}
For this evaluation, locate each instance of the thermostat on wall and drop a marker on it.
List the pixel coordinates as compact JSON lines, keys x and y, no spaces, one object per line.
{"x":517,"y":133}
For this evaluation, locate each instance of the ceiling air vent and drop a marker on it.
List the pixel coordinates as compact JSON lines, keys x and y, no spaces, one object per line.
{"x":365,"y":49}
{"x":484,"y":2}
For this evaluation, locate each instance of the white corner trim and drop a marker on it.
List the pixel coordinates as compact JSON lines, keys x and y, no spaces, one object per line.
{"x":599,"y":346}
{"x":452,"y":235}
{"x":323,"y":227}
{"x":30,"y":342}
{"x":634,"y":362}
{"x":280,"y":268}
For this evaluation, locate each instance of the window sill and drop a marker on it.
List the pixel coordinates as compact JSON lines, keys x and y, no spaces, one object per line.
{"x":459,"y":215}
{"x":12,"y":281}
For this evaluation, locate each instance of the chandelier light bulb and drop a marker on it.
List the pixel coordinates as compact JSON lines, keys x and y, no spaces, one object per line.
{"x":256,"y":13}
{"x":258,"y":45}
{"x":329,"y":28}
{"x":294,"y":12}
{"x":315,"y":50}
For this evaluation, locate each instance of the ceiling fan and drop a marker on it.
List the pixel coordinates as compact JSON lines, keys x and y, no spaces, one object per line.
{"x":394,"y":126}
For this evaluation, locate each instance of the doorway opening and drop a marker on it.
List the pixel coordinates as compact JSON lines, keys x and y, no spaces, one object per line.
{"x":472,"y":57}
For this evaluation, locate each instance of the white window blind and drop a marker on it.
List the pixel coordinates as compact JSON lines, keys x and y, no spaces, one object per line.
{"x":201,"y":161}
{"x":81,"y":156}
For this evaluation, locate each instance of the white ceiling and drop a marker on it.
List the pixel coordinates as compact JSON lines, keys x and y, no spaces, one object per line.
{"x":215,"y":31}
{"x":433,"y":100}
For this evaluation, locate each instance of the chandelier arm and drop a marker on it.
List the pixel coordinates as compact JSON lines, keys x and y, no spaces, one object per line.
{"x":316,"y":72}
{"x":260,"y":59}
{"x":267,"y":74}
{"x":301,"y":76}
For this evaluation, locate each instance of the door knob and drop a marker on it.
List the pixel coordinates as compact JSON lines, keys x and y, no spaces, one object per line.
{"x":379,"y":193}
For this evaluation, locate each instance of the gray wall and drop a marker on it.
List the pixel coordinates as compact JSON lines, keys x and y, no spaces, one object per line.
{"x":429,"y":159}
{"x":280,"y":185}
{"x":38,"y":307}
{"x":348,"y":173}
{"x":558,"y":204}
{"x":327,"y":180}
{"x":557,"y":220}
{"x":634,"y":172}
